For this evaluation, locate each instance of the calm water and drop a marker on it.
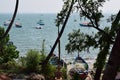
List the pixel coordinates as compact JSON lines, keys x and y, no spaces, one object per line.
{"x":28,"y":37}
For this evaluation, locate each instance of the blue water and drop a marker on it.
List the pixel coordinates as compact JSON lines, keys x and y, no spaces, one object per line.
{"x":28,"y":37}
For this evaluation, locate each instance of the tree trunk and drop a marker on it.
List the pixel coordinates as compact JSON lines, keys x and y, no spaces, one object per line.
{"x":114,"y":61}
{"x":98,"y":74}
{"x":78,"y":54}
{"x":100,"y":62}
{"x":13,"y":18}
{"x":60,"y":34}
{"x":59,"y":48}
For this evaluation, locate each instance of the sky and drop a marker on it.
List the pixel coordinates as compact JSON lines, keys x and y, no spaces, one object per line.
{"x":48,"y":6}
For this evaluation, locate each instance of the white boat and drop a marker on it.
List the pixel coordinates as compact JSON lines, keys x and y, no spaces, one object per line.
{"x":86,"y":24}
{"x":38,"y":27}
{"x":18,"y":25}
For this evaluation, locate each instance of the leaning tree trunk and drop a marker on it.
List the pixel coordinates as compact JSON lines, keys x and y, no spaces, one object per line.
{"x":13,"y":18}
{"x":101,"y":62}
{"x":98,"y":73}
{"x":114,"y":60}
{"x":59,"y":36}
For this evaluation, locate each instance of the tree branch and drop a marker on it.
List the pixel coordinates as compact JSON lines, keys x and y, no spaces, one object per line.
{"x":96,"y":24}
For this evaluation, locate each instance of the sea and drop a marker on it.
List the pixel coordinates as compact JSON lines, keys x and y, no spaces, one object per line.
{"x":28,"y":37}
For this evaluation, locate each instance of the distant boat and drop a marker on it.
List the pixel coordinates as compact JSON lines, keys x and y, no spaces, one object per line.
{"x":75,"y":20}
{"x":40,"y":22}
{"x":86,"y":24}
{"x":18,"y":25}
{"x":38,"y":27}
{"x":6,"y":23}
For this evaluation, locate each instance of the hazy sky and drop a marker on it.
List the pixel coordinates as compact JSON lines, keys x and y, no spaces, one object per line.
{"x":48,"y":6}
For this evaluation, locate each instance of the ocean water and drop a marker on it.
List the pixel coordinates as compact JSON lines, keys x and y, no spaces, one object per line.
{"x":28,"y":37}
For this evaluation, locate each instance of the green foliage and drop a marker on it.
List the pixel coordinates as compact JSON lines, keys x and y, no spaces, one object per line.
{"x":22,"y":62}
{"x":48,"y":71}
{"x":79,"y":41}
{"x":62,"y":15}
{"x":103,"y":39}
{"x":32,"y":61}
{"x":90,"y":9}
{"x":10,"y":67}
{"x":8,"y":51}
{"x":76,"y":40}
{"x":4,"y":41}
{"x":64,"y":73}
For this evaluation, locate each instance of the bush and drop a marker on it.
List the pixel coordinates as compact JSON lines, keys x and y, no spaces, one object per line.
{"x":64,"y":71}
{"x":10,"y":66}
{"x":32,"y":61}
{"x":8,"y":51}
{"x":49,"y":71}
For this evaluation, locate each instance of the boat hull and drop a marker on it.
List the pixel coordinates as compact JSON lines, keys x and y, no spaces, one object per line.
{"x":85,"y":24}
{"x":79,"y":69}
{"x":18,"y":26}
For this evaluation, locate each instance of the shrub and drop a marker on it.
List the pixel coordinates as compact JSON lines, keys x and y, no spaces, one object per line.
{"x":32,"y":61}
{"x":8,"y":51}
{"x":64,"y":71}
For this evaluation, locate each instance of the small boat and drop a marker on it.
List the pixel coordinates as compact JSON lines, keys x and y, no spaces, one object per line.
{"x":75,"y":20}
{"x":18,"y":25}
{"x":40,"y":22}
{"x":55,"y":61}
{"x":80,"y":68}
{"x":38,"y":27}
{"x":79,"y":60}
{"x":86,"y":24}
{"x":6,"y":23}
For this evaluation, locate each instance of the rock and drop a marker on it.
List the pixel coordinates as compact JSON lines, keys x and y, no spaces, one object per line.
{"x":4,"y":76}
{"x":34,"y":76}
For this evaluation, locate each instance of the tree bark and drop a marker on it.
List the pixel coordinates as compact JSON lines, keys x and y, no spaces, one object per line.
{"x":114,"y":61}
{"x":59,"y":48}
{"x":98,"y":74}
{"x":60,"y":34}
{"x":13,"y":18}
